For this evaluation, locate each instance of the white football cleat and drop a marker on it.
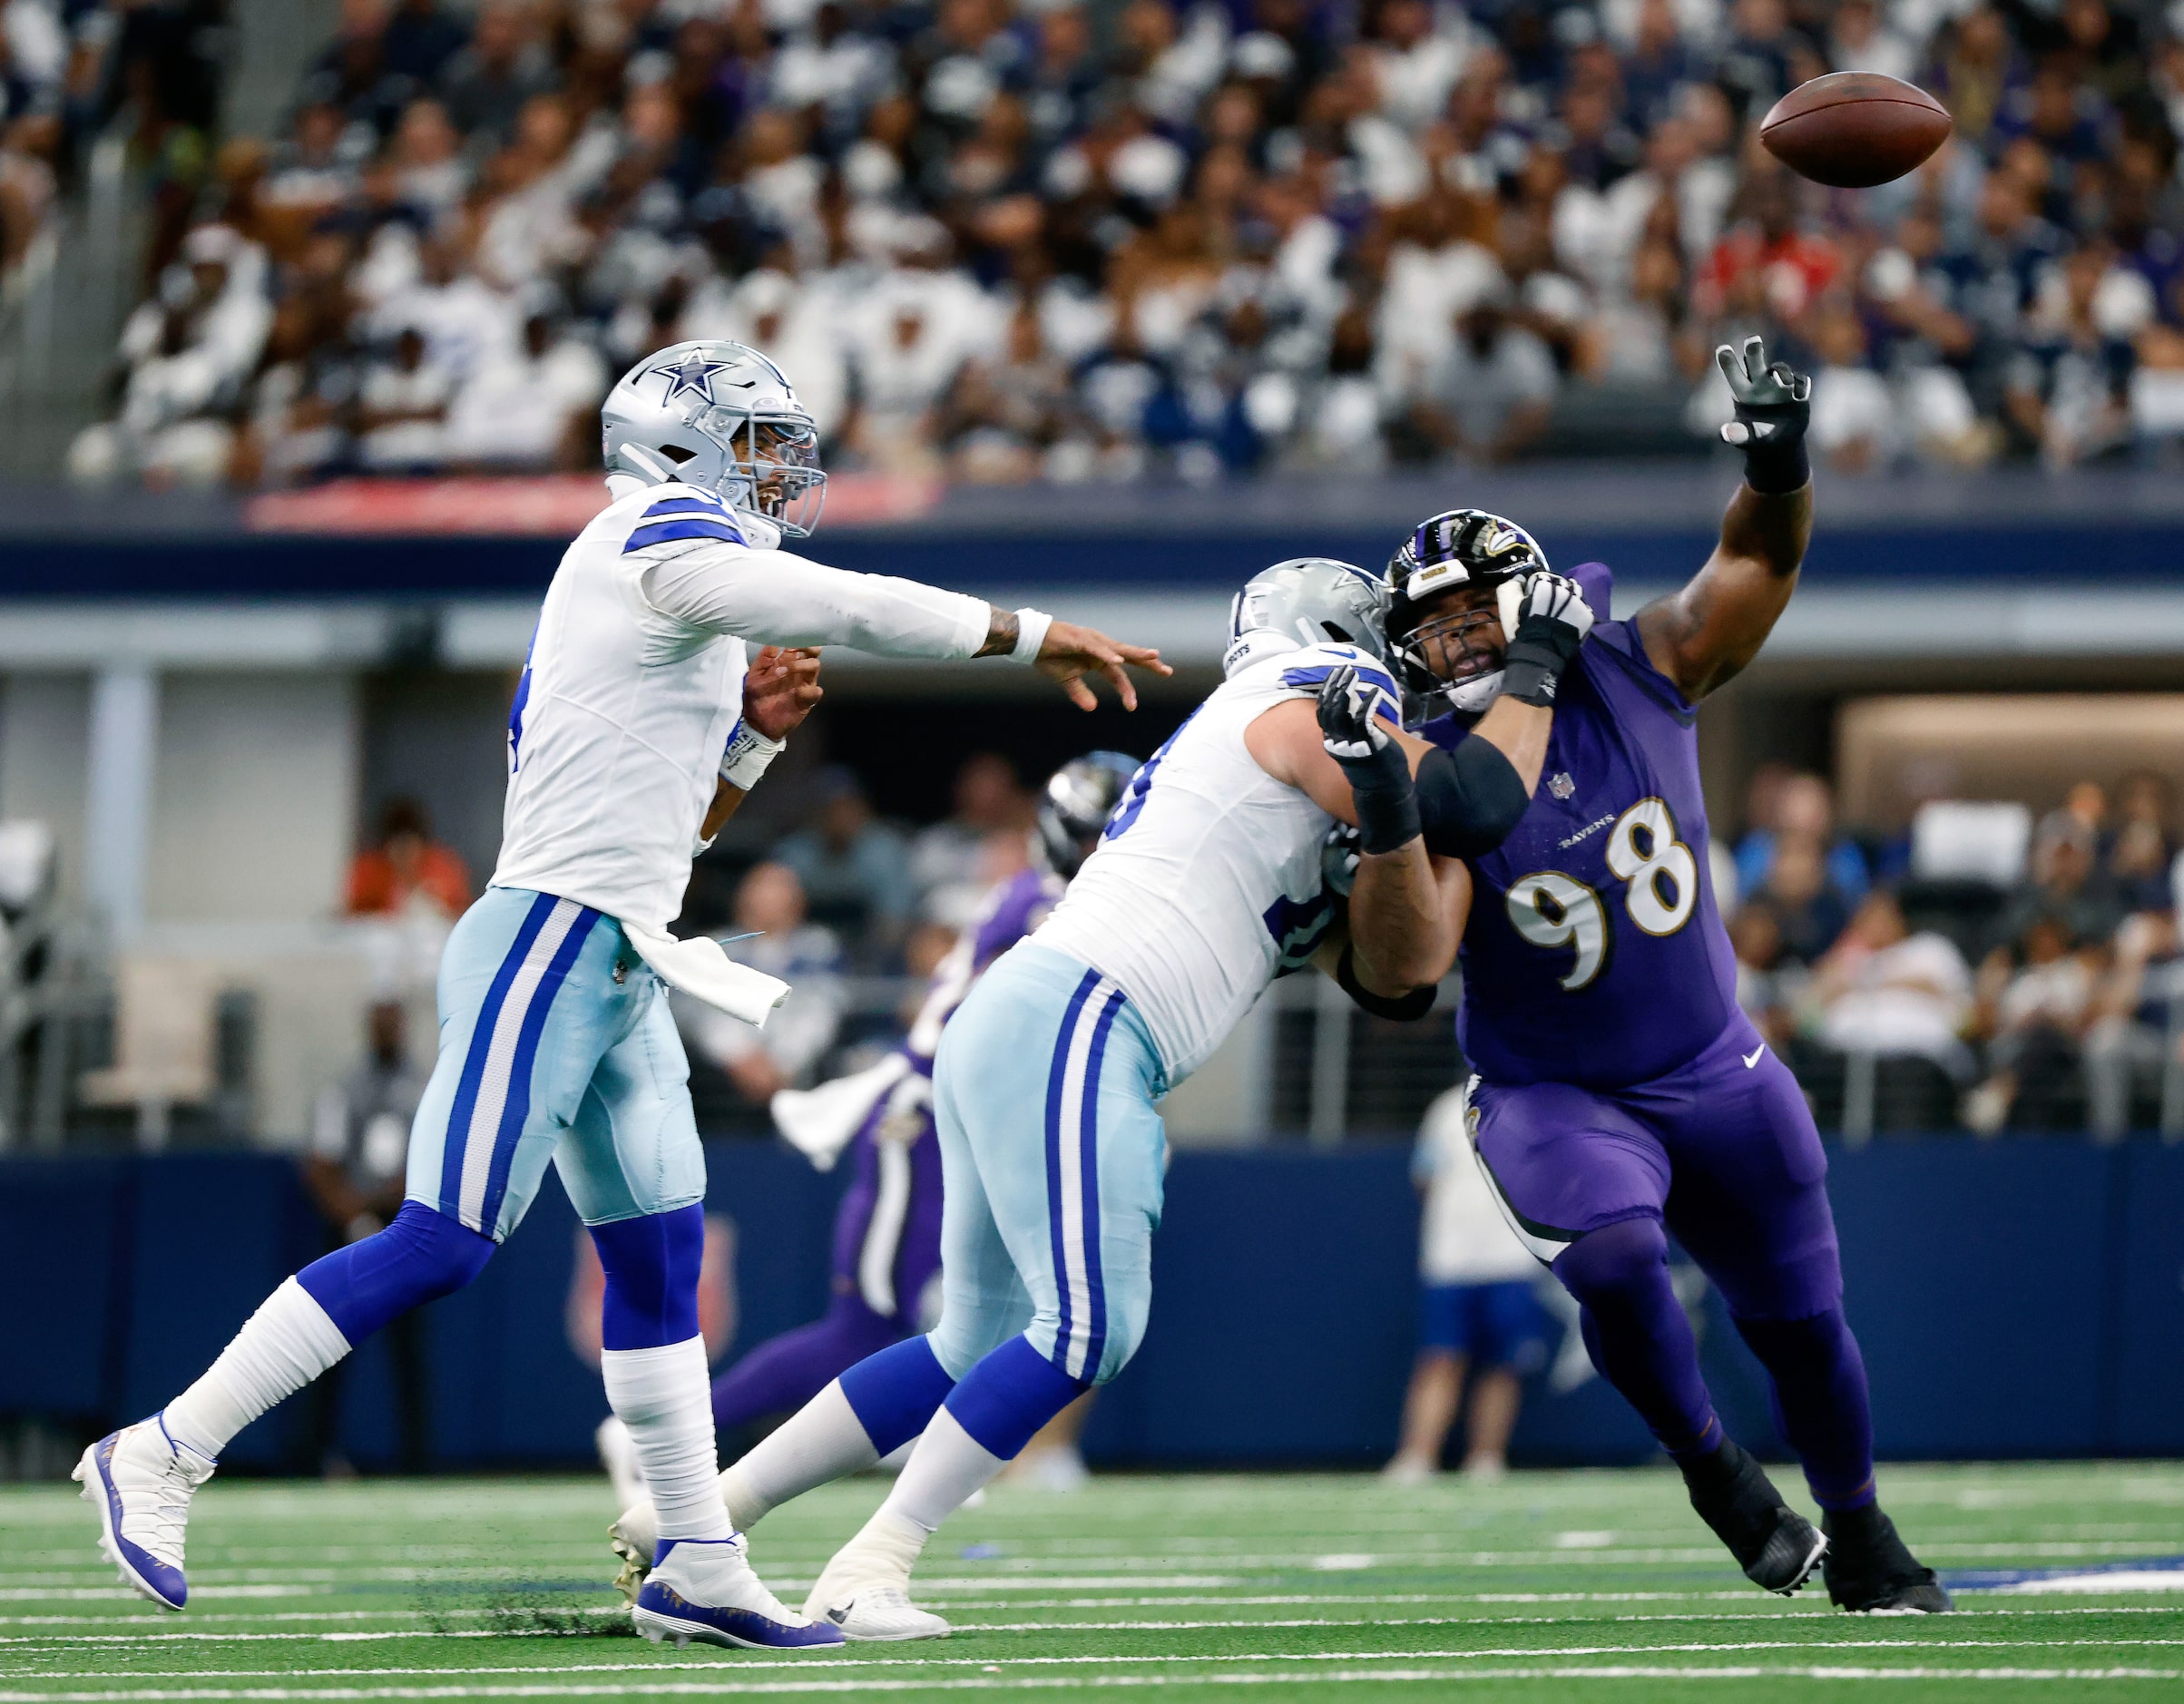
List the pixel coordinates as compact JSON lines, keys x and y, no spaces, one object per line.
{"x":618,"y":1454}
{"x":866,"y":1598}
{"x":633,"y":1537}
{"x":140,"y":1482}
{"x":704,"y":1591}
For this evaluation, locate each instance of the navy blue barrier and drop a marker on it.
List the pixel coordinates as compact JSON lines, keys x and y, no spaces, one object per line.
{"x":2013,"y":1299}
{"x":260,"y":566}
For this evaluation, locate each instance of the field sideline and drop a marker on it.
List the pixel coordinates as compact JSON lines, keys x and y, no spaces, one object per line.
{"x":1549,"y":1586}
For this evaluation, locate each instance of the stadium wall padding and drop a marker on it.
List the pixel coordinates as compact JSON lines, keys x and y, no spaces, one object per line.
{"x":2023,"y":1298}
{"x":282,"y":567}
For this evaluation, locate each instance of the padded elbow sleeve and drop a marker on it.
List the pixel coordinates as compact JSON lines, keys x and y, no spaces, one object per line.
{"x":1469,"y":800}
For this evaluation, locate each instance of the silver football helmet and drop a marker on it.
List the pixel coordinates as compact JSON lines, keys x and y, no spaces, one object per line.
{"x":1307,"y":600}
{"x":1075,"y":803}
{"x":723,"y":417}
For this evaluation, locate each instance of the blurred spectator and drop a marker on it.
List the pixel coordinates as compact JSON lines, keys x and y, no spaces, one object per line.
{"x":402,"y":403}
{"x":1810,"y":909}
{"x":770,"y":907}
{"x":355,"y":1172}
{"x":1478,"y":1316}
{"x":2065,"y":882}
{"x":2140,"y":855}
{"x":2035,"y":1012}
{"x":1781,"y":800}
{"x":953,"y":862}
{"x":1884,"y":991}
{"x":1220,"y":240}
{"x":853,"y":869}
{"x":405,"y":868}
{"x":1763,"y":990}
{"x":535,"y":406}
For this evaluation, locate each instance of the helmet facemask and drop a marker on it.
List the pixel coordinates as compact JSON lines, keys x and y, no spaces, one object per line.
{"x":1457,"y":655}
{"x":769,"y":463}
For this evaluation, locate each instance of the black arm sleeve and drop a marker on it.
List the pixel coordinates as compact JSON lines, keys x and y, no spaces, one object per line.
{"x":1404,"y":1008}
{"x":1469,"y":799}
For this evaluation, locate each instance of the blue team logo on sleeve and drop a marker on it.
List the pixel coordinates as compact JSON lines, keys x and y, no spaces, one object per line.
{"x":689,"y":514}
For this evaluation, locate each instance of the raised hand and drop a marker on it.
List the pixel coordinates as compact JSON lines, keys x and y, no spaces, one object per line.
{"x":1071,"y":652}
{"x":1553,"y":620}
{"x":1774,"y":406}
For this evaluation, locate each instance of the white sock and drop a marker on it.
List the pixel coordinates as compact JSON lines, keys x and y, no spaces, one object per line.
{"x":820,"y":1441}
{"x":887,"y":1545}
{"x":664,"y":1397}
{"x":947,"y":1466}
{"x":281,"y":1347}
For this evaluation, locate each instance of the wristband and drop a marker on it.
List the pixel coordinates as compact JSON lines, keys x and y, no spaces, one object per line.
{"x":1387,"y":802}
{"x":1404,"y":1008}
{"x":1536,"y":659}
{"x":1030,"y":634}
{"x":747,"y":754}
{"x":1778,"y":465}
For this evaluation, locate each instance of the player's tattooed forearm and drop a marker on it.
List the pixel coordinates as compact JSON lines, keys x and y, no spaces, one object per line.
{"x":1000,"y":635}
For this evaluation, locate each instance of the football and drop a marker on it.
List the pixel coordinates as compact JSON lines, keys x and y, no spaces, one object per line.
{"x":1854,"y":129}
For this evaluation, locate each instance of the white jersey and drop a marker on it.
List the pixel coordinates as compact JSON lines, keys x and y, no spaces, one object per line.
{"x":1208,"y":884}
{"x":634,"y":683}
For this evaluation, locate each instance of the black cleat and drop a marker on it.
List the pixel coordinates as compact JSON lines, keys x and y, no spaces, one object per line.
{"x":1777,"y":1547}
{"x":1870,"y":1571}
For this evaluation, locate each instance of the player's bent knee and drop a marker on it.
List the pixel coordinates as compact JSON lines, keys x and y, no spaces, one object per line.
{"x":1125,"y":1331}
{"x":420,"y":1257}
{"x":1630,"y":1254}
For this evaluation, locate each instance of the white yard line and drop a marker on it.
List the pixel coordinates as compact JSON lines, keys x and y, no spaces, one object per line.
{"x":1498,"y":1653}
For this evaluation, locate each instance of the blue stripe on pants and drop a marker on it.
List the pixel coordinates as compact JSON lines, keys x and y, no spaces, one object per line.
{"x":1056,"y":1082}
{"x":1088,"y":1159}
{"x":517,"y":1108}
{"x":474,"y":1062}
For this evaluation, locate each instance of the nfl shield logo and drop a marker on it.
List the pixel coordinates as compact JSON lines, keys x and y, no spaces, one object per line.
{"x":1561,"y":786}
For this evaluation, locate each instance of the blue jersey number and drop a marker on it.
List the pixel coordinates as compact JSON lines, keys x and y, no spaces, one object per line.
{"x":1551,"y":909}
{"x":1140,"y":784}
{"x":517,"y":705}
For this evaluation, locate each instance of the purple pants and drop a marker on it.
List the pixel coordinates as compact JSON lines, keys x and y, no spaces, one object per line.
{"x":886,"y":1252}
{"x":1723,"y":1151}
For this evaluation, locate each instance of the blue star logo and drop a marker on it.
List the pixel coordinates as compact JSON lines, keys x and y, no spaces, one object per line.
{"x":693,"y":377}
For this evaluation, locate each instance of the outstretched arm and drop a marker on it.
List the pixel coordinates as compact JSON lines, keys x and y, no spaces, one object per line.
{"x":1703,"y":635}
{"x":781,"y":599}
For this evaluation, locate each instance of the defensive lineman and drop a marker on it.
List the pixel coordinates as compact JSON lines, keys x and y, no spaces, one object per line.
{"x":633,"y":734}
{"x":1621,"y":1094}
{"x":1209,"y":884}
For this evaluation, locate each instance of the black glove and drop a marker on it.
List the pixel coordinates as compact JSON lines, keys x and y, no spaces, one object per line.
{"x":1552,"y":621}
{"x":1378,"y":769}
{"x":1774,"y":406}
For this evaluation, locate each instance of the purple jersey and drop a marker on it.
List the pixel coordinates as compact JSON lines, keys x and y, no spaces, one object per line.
{"x":1595,"y":954}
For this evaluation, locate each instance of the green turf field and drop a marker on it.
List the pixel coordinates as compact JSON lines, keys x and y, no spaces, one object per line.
{"x":1548,"y":1586}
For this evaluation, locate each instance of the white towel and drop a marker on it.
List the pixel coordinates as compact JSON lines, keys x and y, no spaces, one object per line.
{"x":703,"y":969}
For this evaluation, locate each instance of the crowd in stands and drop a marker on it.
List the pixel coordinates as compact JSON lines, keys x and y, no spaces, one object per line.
{"x":2028,"y":984}
{"x":1015,"y":239}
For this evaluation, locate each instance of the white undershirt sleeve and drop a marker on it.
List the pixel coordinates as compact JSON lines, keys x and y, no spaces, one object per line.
{"x":774,"y":598}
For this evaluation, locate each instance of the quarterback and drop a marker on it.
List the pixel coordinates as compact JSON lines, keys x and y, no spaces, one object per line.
{"x":1622,"y":1094}
{"x":637,"y":728}
{"x":1211,"y":879}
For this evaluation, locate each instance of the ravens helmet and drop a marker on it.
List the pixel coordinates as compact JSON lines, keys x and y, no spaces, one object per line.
{"x":1455,"y":653}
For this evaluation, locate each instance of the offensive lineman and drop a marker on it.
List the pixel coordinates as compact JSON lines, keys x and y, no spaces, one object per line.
{"x":1620,"y":1092}
{"x":1208,"y":883}
{"x":887,"y":1232}
{"x":633,"y":735}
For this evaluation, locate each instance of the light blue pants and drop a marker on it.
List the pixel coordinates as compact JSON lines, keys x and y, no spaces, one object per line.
{"x":556,"y":1043}
{"x":1051,"y":1161}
